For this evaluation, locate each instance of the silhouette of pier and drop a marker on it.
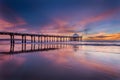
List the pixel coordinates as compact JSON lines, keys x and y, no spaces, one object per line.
{"x":40,"y":37}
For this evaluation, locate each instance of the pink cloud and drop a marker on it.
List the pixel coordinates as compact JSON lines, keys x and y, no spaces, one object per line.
{"x":11,"y":23}
{"x":62,"y":26}
{"x":100,"y":17}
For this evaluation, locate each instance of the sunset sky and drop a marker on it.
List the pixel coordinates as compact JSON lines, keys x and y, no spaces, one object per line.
{"x":101,"y":18}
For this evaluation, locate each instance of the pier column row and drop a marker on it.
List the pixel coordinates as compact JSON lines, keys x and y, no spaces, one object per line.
{"x":42,"y":38}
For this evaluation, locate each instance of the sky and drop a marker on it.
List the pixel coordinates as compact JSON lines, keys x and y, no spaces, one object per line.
{"x":96,"y":18}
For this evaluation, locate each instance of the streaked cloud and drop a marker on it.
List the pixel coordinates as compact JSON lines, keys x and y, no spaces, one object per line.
{"x":55,"y":18}
{"x":9,"y":19}
{"x":105,"y":36}
{"x":101,"y":17}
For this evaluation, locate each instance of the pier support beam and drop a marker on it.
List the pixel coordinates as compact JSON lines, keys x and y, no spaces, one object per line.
{"x":47,"y":39}
{"x":34,"y":39}
{"x":12,"y":40}
{"x":41,"y":39}
{"x":12,"y":43}
{"x":31,"y":39}
{"x":57,"y":39}
{"x":23,"y":38}
{"x":38,"y":39}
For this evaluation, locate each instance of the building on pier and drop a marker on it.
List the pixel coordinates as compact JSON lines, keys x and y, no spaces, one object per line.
{"x":76,"y":37}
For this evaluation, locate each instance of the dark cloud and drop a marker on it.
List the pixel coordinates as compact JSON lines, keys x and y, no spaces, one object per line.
{"x":42,"y":9}
{"x":8,"y":15}
{"x":41,"y":12}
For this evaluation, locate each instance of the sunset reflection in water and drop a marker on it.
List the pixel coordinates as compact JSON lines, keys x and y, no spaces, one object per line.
{"x":60,"y":62}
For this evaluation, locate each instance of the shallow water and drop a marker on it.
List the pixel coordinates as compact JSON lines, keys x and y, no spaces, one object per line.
{"x":59,"y":62}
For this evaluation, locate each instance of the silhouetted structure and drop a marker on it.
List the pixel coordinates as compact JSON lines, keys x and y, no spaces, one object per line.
{"x":41,"y":37}
{"x":76,"y":37}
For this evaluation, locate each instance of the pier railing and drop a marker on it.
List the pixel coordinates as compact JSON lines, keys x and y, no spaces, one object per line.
{"x":40,"y":37}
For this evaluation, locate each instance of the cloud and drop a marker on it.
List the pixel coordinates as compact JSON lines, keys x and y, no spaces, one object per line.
{"x":9,"y":19}
{"x":105,"y":36}
{"x":62,"y":26}
{"x":101,"y":17}
{"x":59,"y":26}
{"x":4,"y":24}
{"x":7,"y":26}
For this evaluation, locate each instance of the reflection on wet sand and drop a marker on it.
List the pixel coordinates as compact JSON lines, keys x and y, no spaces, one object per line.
{"x":33,"y":48}
{"x":60,"y":62}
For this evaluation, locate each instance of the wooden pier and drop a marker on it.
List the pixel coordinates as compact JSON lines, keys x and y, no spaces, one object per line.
{"x":40,"y":37}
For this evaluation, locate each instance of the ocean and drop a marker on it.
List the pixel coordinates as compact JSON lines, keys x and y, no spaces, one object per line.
{"x":60,"y":61}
